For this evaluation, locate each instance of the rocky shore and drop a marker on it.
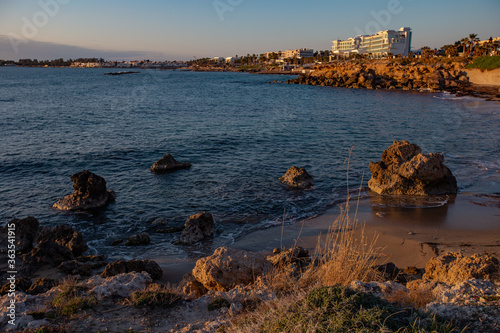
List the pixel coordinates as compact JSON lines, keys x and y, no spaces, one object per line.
{"x":399,"y":75}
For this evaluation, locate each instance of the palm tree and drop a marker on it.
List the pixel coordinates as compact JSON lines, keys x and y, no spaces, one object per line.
{"x":473,"y":40}
{"x":464,"y":42}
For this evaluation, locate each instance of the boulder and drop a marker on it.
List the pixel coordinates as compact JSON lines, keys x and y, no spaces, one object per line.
{"x":284,"y":257}
{"x":121,"y":285}
{"x":25,"y":231}
{"x":168,"y":164}
{"x":47,"y":253}
{"x":74,"y":267}
{"x":123,"y":266}
{"x":453,"y":268}
{"x":63,"y":235}
{"x":404,"y":170}
{"x":90,"y":193}
{"x":197,"y":228}
{"x":298,"y":178}
{"x":227,"y":268}
{"x":139,"y":239}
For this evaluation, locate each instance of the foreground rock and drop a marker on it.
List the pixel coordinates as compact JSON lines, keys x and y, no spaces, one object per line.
{"x":63,"y":235}
{"x":298,"y":178}
{"x":227,"y":268}
{"x":197,"y":228}
{"x":453,"y":268}
{"x":168,"y":164}
{"x":404,"y":170}
{"x":24,"y":231}
{"x":123,"y":266}
{"x":90,"y":193}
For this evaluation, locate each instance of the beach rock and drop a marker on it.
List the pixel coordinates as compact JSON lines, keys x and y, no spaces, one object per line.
{"x":90,"y":193}
{"x":123,"y":266}
{"x":95,"y":261}
{"x":63,"y":235}
{"x":40,"y":286}
{"x":453,"y":268}
{"x":139,"y":239}
{"x":298,"y":178}
{"x":404,"y":170}
{"x":227,"y":268}
{"x":21,"y":284}
{"x":74,"y":267}
{"x":121,"y":285}
{"x":295,"y":255}
{"x":159,"y":221}
{"x":168,"y":164}
{"x":47,"y":253}
{"x":191,"y":287}
{"x":197,"y":228}
{"x":25,"y":231}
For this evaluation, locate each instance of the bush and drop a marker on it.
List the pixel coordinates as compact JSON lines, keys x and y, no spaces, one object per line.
{"x":485,"y":63}
{"x":155,"y":296}
{"x":73,"y":298}
{"x":218,"y":303}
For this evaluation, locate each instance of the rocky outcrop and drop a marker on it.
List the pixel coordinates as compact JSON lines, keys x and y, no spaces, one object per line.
{"x":121,"y":285}
{"x":139,"y":239}
{"x":123,"y":266}
{"x":404,"y":170}
{"x":168,"y":164}
{"x":297,"y":177}
{"x":47,"y":253}
{"x":452,"y":268}
{"x":197,"y":228}
{"x":90,"y":193}
{"x":227,"y":268}
{"x":63,"y":235}
{"x":24,"y":230}
{"x":387,"y":74}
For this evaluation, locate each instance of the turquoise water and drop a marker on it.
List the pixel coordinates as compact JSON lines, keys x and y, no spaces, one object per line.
{"x":240,"y":132}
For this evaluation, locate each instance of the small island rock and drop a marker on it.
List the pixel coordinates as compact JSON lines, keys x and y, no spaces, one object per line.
{"x":298,"y":178}
{"x":168,"y":164}
{"x":197,"y":228}
{"x":404,"y":170}
{"x":139,"y":239}
{"x":90,"y":193}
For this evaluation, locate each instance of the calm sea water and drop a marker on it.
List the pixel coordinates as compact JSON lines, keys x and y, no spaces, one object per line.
{"x":239,"y":131}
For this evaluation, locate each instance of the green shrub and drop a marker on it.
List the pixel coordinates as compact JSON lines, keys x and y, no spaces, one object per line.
{"x":155,"y":296}
{"x":485,"y":63}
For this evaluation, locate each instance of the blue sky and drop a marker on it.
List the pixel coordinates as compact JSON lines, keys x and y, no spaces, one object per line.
{"x":184,"y":29}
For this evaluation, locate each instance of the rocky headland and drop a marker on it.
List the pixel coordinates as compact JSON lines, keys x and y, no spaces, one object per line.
{"x":399,"y":74}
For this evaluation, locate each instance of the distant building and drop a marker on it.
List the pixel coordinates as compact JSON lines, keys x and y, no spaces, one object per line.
{"x":382,"y":44}
{"x":231,"y":60}
{"x":219,"y":59}
{"x":299,"y":53}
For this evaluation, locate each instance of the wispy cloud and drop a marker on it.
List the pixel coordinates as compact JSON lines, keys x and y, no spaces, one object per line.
{"x":47,"y":51}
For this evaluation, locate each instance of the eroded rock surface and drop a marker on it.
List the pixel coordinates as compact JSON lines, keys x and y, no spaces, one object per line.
{"x":297,"y":177}
{"x":227,"y":268}
{"x":197,"y":228}
{"x":168,"y":164}
{"x":24,"y":230}
{"x":124,"y":266}
{"x":90,"y":193}
{"x":404,"y":170}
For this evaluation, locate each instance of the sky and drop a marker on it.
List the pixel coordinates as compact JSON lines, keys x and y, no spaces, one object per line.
{"x":189,"y":29}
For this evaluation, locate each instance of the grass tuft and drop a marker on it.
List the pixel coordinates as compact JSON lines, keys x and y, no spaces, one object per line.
{"x":155,"y":296}
{"x":218,"y":303}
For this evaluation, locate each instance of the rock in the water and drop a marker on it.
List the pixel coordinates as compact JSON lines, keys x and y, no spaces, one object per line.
{"x":168,"y":164}
{"x":196,"y":228}
{"x":63,"y":235}
{"x":24,"y":231}
{"x":139,"y":239}
{"x":453,"y":268}
{"x":227,"y":268}
{"x":123,"y":266}
{"x":404,"y":170}
{"x":90,"y":193}
{"x":298,"y":178}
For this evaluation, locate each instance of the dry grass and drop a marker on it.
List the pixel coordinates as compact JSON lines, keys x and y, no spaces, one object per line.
{"x":417,"y":298}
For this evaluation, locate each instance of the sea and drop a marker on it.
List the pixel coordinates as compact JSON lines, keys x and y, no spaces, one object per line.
{"x":240,"y":131}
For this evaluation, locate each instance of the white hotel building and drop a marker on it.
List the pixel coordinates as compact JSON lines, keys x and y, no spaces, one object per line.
{"x":381,"y":44}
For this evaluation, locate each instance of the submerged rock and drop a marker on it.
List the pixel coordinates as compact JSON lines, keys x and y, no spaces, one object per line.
{"x":227,"y":268}
{"x":90,"y":193}
{"x":168,"y":164}
{"x":139,"y":239}
{"x":197,"y":228}
{"x":404,"y":170}
{"x":298,"y":178}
